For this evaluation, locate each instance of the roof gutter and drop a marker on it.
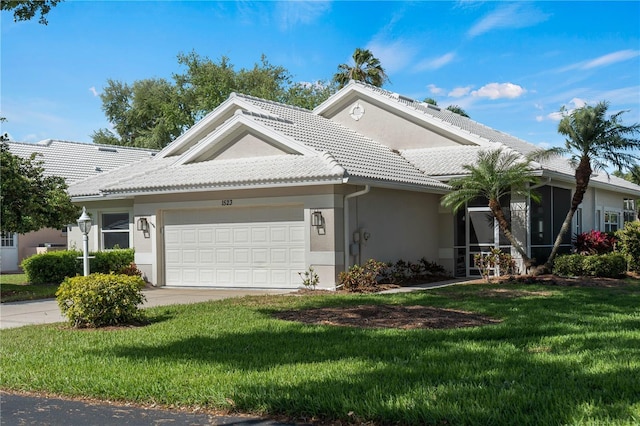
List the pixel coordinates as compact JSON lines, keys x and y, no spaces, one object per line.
{"x":345,"y":211}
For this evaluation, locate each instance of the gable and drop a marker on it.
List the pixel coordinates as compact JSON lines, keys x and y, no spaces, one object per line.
{"x":388,"y":126}
{"x":242,"y":136}
{"x":246,"y":145}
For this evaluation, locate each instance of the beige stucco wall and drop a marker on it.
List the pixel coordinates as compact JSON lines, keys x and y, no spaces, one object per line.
{"x":248,"y":145}
{"x":28,"y":244}
{"x":390,"y":129}
{"x":400,"y":224}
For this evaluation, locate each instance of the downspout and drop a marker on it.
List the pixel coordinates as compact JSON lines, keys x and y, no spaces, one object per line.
{"x":345,"y":211}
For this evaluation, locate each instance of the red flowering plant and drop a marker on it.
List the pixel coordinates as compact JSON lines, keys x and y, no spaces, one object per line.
{"x":594,"y":242}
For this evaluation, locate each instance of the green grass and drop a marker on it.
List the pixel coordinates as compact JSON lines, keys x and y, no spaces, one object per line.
{"x":14,"y":288}
{"x":569,"y":355}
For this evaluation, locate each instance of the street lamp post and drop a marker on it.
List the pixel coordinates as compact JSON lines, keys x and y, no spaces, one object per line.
{"x":84,"y":223}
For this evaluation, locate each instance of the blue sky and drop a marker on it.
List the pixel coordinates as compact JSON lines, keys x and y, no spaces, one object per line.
{"x":511,"y":66}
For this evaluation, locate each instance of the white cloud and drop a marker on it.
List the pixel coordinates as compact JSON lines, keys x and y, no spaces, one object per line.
{"x":93,"y":90}
{"x":611,"y":58}
{"x":394,"y":56}
{"x":568,"y":109}
{"x":435,"y":63}
{"x":602,"y":61}
{"x":292,"y":13}
{"x":499,"y":91}
{"x":435,"y":90}
{"x":516,"y":15}
{"x":459,"y":92}
{"x":555,"y":116}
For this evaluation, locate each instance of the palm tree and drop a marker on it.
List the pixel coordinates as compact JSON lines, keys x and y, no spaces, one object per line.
{"x":593,"y":142}
{"x":495,"y":174}
{"x":456,"y":109}
{"x":366,"y":68}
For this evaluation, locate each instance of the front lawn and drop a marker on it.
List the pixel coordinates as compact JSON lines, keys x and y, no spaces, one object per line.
{"x":560,"y":355}
{"x":14,"y":288}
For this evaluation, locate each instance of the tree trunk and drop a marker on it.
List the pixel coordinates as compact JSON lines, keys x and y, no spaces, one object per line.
{"x":583,"y":174}
{"x":496,"y":210}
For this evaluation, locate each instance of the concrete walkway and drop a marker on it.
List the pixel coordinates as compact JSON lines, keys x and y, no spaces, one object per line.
{"x":18,"y":314}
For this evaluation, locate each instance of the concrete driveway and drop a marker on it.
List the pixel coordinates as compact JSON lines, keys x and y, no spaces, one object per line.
{"x":18,"y":314}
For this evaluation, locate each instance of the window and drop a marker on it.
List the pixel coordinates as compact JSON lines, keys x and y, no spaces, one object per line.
{"x":578,"y":218}
{"x":629,"y":210}
{"x":611,"y":221}
{"x":115,"y":230}
{"x":7,"y":239}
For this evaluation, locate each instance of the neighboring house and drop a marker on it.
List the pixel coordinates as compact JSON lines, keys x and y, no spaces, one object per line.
{"x":257,"y":192}
{"x":73,"y":161}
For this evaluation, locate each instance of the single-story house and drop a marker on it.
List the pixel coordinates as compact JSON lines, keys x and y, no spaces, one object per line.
{"x":258,"y":191}
{"x":73,"y":161}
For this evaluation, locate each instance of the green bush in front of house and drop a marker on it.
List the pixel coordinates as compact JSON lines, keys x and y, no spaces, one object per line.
{"x":629,"y":244}
{"x":611,"y":265}
{"x":101,"y":300}
{"x":53,"y":267}
{"x":111,"y":261}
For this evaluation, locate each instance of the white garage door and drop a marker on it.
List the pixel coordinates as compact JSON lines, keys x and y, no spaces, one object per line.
{"x":235,"y":247}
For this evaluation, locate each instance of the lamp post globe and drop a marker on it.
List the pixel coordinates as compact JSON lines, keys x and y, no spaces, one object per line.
{"x":84,"y":223}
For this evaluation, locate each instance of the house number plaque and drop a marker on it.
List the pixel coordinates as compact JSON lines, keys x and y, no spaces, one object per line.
{"x":227,"y":202}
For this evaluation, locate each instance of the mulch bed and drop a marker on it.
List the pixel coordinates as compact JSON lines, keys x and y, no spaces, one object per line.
{"x":387,"y":316}
{"x":412,"y":317}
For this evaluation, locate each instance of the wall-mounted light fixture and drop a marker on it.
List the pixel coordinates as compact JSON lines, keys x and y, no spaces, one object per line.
{"x":143,"y":225}
{"x":316,"y":219}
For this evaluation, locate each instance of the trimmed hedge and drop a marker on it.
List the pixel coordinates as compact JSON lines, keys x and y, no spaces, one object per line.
{"x":53,"y":267}
{"x":611,"y":265}
{"x":101,"y":300}
{"x":111,"y":261}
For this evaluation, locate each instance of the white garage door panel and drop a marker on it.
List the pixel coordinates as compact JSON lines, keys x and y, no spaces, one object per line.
{"x":235,"y":247}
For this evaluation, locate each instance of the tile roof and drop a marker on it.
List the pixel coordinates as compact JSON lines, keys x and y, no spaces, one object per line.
{"x":360,"y":156}
{"x":342,"y":154}
{"x":449,"y":161}
{"x":75,"y":161}
{"x":162,"y":174}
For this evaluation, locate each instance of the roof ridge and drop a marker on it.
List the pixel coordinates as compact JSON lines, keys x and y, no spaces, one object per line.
{"x":265,"y":116}
{"x":48,"y":142}
{"x":269,"y":101}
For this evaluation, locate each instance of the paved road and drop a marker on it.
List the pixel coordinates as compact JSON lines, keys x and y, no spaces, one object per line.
{"x":18,"y":410}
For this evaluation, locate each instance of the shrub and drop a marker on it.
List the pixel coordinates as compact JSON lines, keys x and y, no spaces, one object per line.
{"x":485,"y":262}
{"x":610,"y":265}
{"x":112,"y":260}
{"x":52,"y":267}
{"x":629,"y":244}
{"x":131,"y":269}
{"x":569,"y":265}
{"x":101,"y":300}
{"x":309,"y":278}
{"x":362,"y":278}
{"x":594,"y":242}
